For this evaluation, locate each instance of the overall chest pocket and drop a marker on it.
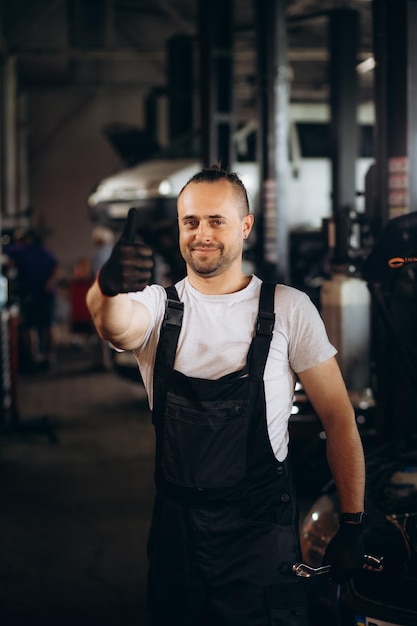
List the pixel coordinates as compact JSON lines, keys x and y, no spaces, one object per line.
{"x":204,"y":443}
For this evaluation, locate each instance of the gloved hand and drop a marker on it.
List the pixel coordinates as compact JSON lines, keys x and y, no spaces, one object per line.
{"x":345,"y":552}
{"x":129,"y":267}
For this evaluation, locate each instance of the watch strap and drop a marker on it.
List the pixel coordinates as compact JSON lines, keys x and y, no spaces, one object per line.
{"x":360,"y":518}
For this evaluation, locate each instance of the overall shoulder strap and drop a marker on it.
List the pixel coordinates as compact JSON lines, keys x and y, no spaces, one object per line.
{"x":166,"y":350}
{"x":264,"y":328}
{"x":172,"y":293}
{"x":170,"y":330}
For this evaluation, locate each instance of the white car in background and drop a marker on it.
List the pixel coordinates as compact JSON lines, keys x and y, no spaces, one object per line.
{"x":154,"y":185}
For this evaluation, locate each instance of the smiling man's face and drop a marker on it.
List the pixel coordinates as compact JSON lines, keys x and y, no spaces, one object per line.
{"x":212,"y":227}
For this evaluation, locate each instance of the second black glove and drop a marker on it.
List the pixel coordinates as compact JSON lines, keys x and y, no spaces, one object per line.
{"x":345,"y":552}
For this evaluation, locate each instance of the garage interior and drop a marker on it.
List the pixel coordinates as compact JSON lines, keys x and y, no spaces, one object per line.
{"x":91,"y":87}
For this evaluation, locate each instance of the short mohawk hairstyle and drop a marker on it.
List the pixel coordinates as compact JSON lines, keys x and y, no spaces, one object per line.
{"x":215,"y":173}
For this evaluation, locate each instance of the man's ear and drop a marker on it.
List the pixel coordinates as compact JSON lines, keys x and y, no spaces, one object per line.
{"x":247,"y":224}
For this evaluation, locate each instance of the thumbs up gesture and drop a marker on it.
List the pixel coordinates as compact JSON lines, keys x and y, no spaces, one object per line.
{"x":129,"y":267}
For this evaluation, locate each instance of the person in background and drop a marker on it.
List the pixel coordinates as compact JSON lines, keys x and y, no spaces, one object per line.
{"x":37,"y":275}
{"x":219,"y":355}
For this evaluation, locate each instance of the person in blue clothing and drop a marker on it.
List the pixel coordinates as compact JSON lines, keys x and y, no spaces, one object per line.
{"x":219,"y":353}
{"x":37,"y":279}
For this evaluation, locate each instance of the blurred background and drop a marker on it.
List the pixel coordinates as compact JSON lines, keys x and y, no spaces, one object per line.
{"x":109,"y":104}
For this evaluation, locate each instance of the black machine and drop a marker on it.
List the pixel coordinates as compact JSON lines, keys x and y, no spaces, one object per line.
{"x":386,"y":595}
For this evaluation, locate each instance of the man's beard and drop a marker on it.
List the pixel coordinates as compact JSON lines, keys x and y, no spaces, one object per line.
{"x":208,"y":267}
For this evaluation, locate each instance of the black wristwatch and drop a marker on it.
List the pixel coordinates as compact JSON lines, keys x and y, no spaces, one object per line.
{"x":361,"y":518}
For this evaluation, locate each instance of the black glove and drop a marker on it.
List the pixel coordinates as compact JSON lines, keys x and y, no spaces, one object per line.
{"x":345,"y":552}
{"x":129,"y":267}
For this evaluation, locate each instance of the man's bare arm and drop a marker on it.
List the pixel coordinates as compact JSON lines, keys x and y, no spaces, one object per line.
{"x":326,"y":390}
{"x":118,"y":319}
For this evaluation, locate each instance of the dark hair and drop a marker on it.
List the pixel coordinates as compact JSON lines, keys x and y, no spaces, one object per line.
{"x":213,"y":174}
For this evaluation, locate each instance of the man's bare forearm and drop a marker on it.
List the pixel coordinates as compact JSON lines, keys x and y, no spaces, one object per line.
{"x":347,"y":465}
{"x":113,"y":317}
{"x":327,"y":392}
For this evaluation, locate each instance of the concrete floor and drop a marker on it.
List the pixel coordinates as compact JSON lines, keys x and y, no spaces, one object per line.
{"x":76,"y":502}
{"x":75,"y":512}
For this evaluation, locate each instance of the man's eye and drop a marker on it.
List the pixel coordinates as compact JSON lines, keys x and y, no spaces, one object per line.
{"x":218,"y":222}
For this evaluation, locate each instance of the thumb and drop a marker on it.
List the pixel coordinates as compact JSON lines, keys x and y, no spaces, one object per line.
{"x":131,"y":226}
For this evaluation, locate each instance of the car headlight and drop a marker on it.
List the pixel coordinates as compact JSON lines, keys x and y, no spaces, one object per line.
{"x":165,"y":188}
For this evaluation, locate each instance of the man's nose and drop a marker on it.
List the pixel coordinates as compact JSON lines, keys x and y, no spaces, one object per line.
{"x":203,"y":231}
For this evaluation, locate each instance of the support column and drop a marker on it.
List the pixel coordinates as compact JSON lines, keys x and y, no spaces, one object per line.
{"x":180,"y":57}
{"x":2,"y":142}
{"x":216,"y":82}
{"x":10,"y":109}
{"x":343,"y":45}
{"x":273,"y":102}
{"x":395,"y":51}
{"x":156,"y":116}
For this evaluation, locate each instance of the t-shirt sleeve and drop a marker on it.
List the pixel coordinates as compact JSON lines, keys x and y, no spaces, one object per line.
{"x":309,"y":344}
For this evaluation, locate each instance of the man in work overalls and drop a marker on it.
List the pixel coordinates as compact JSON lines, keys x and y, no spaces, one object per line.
{"x":219,"y":354}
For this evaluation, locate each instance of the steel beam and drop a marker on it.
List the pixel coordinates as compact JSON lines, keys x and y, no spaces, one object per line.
{"x":216,"y":81}
{"x":273,"y":102}
{"x":343,"y":45}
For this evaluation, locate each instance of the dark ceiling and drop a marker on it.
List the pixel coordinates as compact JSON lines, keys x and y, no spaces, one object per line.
{"x":76,"y":42}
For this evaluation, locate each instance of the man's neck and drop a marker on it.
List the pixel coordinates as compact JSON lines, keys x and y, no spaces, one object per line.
{"x":218,"y":285}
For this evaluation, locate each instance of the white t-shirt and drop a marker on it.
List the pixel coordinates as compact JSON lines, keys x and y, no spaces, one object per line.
{"x":216,"y":334}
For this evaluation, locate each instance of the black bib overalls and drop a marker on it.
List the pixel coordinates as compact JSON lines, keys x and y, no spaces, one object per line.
{"x":224,"y":529}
